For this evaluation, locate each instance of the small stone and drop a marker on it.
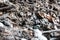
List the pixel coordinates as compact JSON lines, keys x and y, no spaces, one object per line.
{"x":2,"y":1}
{"x":1,"y":25}
{"x":1,"y":13}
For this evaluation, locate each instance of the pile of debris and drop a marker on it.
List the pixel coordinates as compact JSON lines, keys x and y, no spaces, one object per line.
{"x":29,"y":19}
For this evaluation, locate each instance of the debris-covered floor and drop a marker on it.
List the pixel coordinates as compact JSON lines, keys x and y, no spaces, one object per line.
{"x":29,"y":19}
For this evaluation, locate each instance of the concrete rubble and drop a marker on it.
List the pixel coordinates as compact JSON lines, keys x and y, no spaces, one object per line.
{"x":29,"y":19}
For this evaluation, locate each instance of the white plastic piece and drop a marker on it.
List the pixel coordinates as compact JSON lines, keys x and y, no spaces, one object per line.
{"x":38,"y":33}
{"x":23,"y":39}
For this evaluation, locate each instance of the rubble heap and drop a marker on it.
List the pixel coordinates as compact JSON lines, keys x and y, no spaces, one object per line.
{"x":29,"y":19}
